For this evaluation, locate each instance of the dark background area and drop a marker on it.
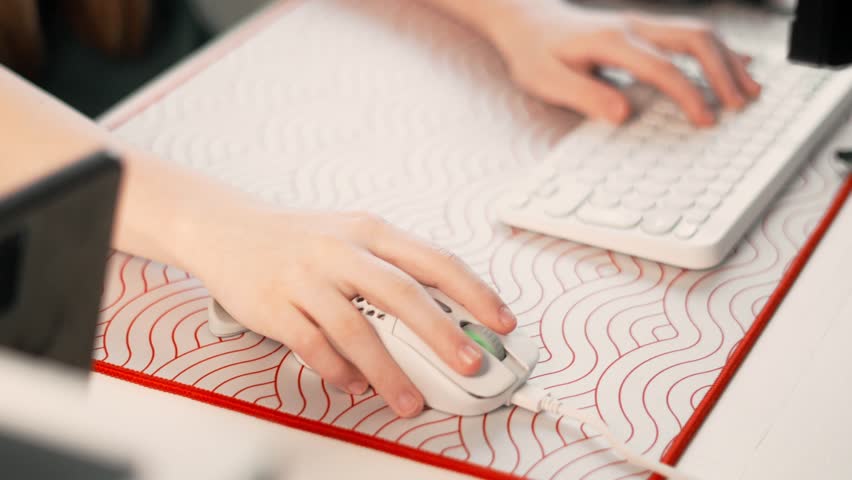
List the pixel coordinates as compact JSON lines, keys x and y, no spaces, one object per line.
{"x":91,"y":81}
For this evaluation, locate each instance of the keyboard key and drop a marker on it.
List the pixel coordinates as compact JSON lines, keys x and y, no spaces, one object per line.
{"x":659,"y":222}
{"x":516,"y":199}
{"x":651,"y":189}
{"x":677,"y":202}
{"x":629,"y":174}
{"x":730,"y":175}
{"x":690,"y":189}
{"x":546,"y":190}
{"x":616,"y":187}
{"x":544,"y":174}
{"x":685,"y":230}
{"x":696,"y":215}
{"x":708,"y":201}
{"x":604,"y":199}
{"x":635,"y":201}
{"x":701,"y":174}
{"x":663,"y":175}
{"x":677,"y":162}
{"x":720,"y":188}
{"x":724,"y":148}
{"x":713,"y":161}
{"x":742,"y":162}
{"x":604,"y":162}
{"x":568,"y":164}
{"x":608,"y":217}
{"x":570,"y":196}
{"x":754,"y":149}
{"x":591,"y":176}
{"x":645,"y":159}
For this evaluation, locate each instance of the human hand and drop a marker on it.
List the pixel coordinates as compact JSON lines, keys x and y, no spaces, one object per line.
{"x":552,"y":51}
{"x":291,"y":276}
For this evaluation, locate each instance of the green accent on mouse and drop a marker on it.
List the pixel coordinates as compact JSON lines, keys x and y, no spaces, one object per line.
{"x":486,"y":339}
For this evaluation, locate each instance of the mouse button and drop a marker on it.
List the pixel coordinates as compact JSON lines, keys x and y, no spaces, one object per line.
{"x":439,"y":392}
{"x":486,"y":339}
{"x":492,"y":379}
{"x":522,"y":348}
{"x":220,"y":322}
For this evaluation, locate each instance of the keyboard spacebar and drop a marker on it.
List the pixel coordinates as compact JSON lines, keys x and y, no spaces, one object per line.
{"x":608,"y":217}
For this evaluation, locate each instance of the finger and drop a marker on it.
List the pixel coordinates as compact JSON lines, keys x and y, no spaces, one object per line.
{"x":557,"y":84}
{"x":394,"y":291}
{"x":648,"y":65}
{"x":440,"y":268}
{"x":356,"y":338}
{"x":302,"y":336}
{"x":738,"y":64}
{"x":717,"y":68}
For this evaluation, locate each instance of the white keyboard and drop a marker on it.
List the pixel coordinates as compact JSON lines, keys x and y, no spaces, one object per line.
{"x":660,"y":189}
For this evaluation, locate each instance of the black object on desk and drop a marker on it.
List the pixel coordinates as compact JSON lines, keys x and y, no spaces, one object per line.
{"x":54,"y":240}
{"x":822,"y":32}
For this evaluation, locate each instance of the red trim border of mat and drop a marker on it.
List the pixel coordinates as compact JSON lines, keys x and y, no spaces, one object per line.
{"x":290,"y":420}
{"x":197,"y":63}
{"x":744,"y":347}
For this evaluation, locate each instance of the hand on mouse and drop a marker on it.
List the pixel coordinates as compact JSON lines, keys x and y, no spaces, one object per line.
{"x":291,"y":276}
{"x":552,"y":51}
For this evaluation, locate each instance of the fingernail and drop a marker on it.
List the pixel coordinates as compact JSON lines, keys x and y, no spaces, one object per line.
{"x":507,"y":318}
{"x":739,"y":100}
{"x":357,"y":387}
{"x":618,"y":111}
{"x":707,"y":118}
{"x":407,"y":403}
{"x":469,"y":354}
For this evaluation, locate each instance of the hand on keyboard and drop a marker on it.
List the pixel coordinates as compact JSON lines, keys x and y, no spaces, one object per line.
{"x":661,"y":189}
{"x":553,"y":50}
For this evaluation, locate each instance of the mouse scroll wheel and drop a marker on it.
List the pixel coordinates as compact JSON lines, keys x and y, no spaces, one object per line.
{"x":486,"y":339}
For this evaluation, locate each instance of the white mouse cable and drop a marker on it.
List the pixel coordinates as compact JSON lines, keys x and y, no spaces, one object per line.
{"x":537,"y":400}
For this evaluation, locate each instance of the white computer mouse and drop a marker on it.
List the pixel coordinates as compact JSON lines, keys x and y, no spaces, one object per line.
{"x":507,"y":362}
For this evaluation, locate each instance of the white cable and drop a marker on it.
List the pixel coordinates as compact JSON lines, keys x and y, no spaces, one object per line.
{"x":536,"y":400}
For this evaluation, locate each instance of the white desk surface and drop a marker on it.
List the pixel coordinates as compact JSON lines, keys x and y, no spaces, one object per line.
{"x":785,"y":415}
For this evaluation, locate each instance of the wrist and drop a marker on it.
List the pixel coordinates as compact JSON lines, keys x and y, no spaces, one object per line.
{"x":502,"y":22}
{"x":172,"y":215}
{"x":209,"y":224}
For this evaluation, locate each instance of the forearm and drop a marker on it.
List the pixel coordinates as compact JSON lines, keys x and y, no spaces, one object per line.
{"x":484,"y":16}
{"x":158,"y":202}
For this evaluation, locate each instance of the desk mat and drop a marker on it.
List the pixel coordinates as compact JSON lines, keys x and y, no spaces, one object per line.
{"x":383,"y":105}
